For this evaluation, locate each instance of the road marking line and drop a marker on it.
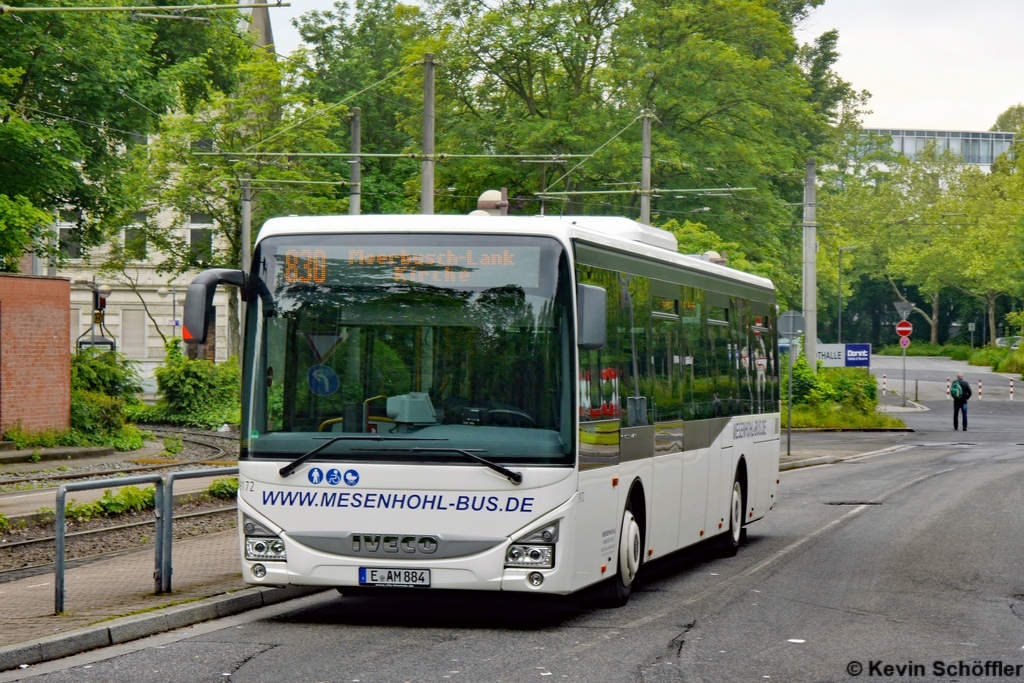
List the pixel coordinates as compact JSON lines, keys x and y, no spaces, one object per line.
{"x":778,"y":555}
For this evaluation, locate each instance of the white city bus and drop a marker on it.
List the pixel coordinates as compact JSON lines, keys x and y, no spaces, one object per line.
{"x":531,"y":404}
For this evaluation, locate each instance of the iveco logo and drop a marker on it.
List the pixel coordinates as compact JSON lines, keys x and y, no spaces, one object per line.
{"x":376,"y":543}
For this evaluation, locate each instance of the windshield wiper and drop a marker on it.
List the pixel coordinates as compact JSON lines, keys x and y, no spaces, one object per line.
{"x":295,"y":464}
{"x":514,"y":477}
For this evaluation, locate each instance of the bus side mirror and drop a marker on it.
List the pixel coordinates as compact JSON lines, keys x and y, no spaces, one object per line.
{"x":199,"y":301}
{"x":592,"y":313}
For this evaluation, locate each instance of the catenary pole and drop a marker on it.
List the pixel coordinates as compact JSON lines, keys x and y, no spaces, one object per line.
{"x":810,"y":297}
{"x":789,"y":401}
{"x":427,"y":188}
{"x":645,"y":169}
{"x":355,"y":174}
{"x":246,"y":247}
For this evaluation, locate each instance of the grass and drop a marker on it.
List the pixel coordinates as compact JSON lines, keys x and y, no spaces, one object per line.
{"x":807,"y":417}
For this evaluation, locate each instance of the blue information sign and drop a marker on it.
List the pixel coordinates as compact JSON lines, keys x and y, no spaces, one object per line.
{"x":858,"y":355}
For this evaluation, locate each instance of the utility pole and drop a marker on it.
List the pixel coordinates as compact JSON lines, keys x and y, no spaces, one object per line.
{"x":810,"y":298}
{"x":246,"y":257}
{"x":246,"y":220}
{"x":427,"y":189}
{"x":645,"y":169}
{"x":355,"y":169}
{"x":839,"y":332}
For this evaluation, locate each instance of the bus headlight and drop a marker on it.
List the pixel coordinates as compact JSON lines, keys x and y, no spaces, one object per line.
{"x":533,"y":556}
{"x":264,"y":549}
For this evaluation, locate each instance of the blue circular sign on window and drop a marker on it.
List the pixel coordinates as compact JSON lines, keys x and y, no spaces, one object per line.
{"x":316,"y":475}
{"x":322,"y":380}
{"x":333,"y":477}
{"x":351,"y":477}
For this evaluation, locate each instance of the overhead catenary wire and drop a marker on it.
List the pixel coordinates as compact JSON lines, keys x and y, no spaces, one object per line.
{"x":393,"y":155}
{"x":330,"y":107}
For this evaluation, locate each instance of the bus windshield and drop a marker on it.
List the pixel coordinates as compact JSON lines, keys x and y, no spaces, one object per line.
{"x":431,"y":342}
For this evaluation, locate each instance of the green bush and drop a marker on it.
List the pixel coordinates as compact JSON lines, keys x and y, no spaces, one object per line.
{"x":224,"y":488}
{"x":128,"y":499}
{"x":194,"y":393}
{"x":1013,"y":363}
{"x":851,"y":388}
{"x":919,"y":348}
{"x":836,"y":417}
{"x":105,"y":372}
{"x":5,"y":524}
{"x":96,"y":413}
{"x":173,"y":445}
{"x":989,"y":355}
{"x":127,"y":438}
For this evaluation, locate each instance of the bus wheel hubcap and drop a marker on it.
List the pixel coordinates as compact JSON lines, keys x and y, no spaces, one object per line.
{"x":630,"y":551}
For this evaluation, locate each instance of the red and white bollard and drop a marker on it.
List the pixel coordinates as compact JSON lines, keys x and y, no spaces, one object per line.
{"x":1011,"y":388}
{"x":948,"y":383}
{"x":979,"y":389}
{"x":883,"y":386}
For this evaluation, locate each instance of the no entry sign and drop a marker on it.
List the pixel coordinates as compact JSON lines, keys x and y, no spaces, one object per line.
{"x":904,"y":328}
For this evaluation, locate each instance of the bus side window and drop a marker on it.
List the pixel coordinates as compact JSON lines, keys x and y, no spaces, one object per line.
{"x":599,"y":379}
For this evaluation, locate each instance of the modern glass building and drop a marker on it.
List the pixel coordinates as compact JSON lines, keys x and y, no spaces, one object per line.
{"x":975,"y":148}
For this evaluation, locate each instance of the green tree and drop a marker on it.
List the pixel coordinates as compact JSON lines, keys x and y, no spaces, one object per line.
{"x":78,"y":92}
{"x":265,"y":113}
{"x":21,"y":226}
{"x":1010,"y":120}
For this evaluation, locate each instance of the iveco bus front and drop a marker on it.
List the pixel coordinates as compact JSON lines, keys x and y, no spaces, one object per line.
{"x":411,"y":411}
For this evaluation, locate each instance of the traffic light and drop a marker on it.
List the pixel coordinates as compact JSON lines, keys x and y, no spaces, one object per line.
{"x":99,"y":303}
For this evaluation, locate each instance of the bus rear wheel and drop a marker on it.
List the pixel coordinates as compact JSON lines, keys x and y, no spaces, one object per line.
{"x":630,"y":557}
{"x":733,"y":539}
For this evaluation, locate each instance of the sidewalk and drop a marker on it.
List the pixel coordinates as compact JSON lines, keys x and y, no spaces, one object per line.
{"x":203,"y":566}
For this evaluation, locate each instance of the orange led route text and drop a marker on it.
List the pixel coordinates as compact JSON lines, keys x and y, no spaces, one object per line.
{"x":406,"y":264}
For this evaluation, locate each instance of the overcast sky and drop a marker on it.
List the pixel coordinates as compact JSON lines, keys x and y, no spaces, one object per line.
{"x":932,"y":64}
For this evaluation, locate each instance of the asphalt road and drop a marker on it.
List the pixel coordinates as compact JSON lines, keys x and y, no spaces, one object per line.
{"x":931,"y":374}
{"x":915,"y":556}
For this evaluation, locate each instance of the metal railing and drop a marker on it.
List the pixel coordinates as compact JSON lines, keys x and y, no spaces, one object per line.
{"x":163,"y":510}
{"x":166,"y":568}
{"x":60,"y":526}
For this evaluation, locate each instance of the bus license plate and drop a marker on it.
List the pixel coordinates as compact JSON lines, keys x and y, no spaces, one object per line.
{"x":385,"y":577}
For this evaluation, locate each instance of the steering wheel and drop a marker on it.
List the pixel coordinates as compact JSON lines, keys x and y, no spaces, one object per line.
{"x":516,"y":413}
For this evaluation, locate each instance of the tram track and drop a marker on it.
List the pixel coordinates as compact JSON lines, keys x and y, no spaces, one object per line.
{"x":112,"y":540}
{"x":196,"y":439}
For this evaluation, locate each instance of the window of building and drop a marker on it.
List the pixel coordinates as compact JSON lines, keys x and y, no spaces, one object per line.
{"x":70,"y":243}
{"x":200,"y":218}
{"x":201,"y":245}
{"x":135,"y":244}
{"x":133,"y":332}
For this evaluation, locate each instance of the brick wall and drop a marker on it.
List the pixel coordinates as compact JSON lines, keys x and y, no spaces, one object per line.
{"x":35,"y":365}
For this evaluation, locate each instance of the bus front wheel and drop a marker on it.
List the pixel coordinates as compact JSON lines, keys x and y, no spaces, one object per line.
{"x":630,"y":557}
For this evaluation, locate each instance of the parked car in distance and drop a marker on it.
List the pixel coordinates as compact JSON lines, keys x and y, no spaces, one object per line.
{"x":1010,"y":342}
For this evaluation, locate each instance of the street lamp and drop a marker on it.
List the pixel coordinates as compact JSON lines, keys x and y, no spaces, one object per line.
{"x":839,"y":333}
{"x":163,"y":292}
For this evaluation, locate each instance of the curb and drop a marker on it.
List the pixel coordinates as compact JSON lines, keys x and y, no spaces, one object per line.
{"x":59,"y":453}
{"x":832,"y":459}
{"x":805,"y":430}
{"x":137,"y":626}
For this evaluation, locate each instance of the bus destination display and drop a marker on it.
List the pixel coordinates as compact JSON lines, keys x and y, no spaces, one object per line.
{"x":482,"y":267}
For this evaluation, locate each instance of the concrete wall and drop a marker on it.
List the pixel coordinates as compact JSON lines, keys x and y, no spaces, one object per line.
{"x":35,"y":363}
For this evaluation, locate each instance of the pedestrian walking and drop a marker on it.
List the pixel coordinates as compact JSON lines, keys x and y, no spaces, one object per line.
{"x":960,"y":391}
